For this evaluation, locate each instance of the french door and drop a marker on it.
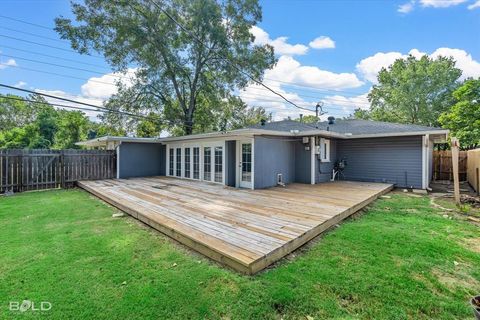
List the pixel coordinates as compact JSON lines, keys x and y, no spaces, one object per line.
{"x":245,"y":164}
{"x":200,"y":162}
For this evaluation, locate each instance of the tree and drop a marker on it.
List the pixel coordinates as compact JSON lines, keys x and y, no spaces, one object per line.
{"x":173,"y":72}
{"x":414,"y":90}
{"x":72,"y":127}
{"x":14,"y":112}
{"x":463,"y":119}
{"x":309,"y":119}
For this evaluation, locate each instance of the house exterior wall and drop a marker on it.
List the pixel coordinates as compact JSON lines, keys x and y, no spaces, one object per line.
{"x":141,"y":159}
{"x":273,"y":155}
{"x":302,"y":163}
{"x":230,"y":162}
{"x":396,"y":160}
{"x":323,"y":170}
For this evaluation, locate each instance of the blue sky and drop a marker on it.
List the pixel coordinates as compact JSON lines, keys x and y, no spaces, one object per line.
{"x":354,"y":40}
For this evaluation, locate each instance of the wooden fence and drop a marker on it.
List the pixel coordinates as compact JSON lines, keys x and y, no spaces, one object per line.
{"x":442,"y":165}
{"x":473,"y":165}
{"x":23,"y":170}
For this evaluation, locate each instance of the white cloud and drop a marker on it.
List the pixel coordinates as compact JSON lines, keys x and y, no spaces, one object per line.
{"x":80,"y":98}
{"x":463,"y":61}
{"x":406,"y":7}
{"x":104,"y":87}
{"x":474,"y":5}
{"x":286,"y":71}
{"x":279,"y":44}
{"x":20,"y":84}
{"x":8,"y":63}
{"x":349,"y":104}
{"x":322,"y":42}
{"x":441,"y":3}
{"x":369,"y":67}
{"x":95,"y":91}
{"x":290,"y":70}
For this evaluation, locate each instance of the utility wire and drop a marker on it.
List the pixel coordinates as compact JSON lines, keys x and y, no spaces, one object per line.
{"x":71,"y":100}
{"x":191,"y":35}
{"x":47,"y":45}
{"x":316,"y":88}
{"x":32,"y":34}
{"x":127,"y":78}
{"x":56,"y":57}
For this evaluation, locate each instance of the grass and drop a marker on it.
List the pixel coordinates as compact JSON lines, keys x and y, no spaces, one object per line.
{"x":400,"y":260}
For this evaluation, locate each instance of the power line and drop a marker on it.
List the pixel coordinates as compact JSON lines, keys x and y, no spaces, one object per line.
{"x":223,"y":57}
{"x":70,"y":100}
{"x":56,"y":57}
{"x":311,"y":87}
{"x":62,"y":75}
{"x":124,"y":77}
{"x":46,"y":45}
{"x":67,"y":67}
{"x":32,"y":34}
{"x":25,"y":22}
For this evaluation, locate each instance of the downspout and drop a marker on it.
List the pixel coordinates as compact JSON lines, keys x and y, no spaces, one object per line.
{"x":312,"y":160}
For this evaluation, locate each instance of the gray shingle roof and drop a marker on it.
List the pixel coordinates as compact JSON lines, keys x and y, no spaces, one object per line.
{"x":354,"y":127}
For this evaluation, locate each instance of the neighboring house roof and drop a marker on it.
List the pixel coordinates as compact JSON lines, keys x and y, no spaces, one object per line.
{"x":341,"y":129}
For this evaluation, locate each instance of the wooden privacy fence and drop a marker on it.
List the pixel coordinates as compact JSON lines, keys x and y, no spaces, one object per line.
{"x":442,"y":165}
{"x":473,"y":165}
{"x":23,"y":170}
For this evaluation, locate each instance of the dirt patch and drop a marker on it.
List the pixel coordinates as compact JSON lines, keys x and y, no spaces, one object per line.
{"x":459,"y":278}
{"x":472,"y":244}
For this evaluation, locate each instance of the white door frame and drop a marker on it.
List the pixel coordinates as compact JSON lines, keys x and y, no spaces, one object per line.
{"x":238,"y":164}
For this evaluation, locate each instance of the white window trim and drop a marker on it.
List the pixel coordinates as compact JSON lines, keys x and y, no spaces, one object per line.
{"x":325,"y":153}
{"x":201,"y":146}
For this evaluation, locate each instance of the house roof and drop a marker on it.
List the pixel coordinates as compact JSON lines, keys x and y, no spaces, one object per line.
{"x":341,"y":129}
{"x":346,"y":127}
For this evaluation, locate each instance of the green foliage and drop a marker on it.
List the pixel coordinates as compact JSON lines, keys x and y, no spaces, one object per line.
{"x":413,"y":91}
{"x":40,"y":126}
{"x":463,"y":119}
{"x":173,"y":71}
{"x":396,"y":261}
{"x":309,"y":119}
{"x":72,"y":127}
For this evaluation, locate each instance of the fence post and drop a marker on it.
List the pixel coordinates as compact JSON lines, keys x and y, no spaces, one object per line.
{"x":456,"y":183}
{"x":62,"y":169}
{"x":20,"y":173}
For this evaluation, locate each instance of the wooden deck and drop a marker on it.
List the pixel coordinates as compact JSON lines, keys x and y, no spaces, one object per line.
{"x":244,"y":229}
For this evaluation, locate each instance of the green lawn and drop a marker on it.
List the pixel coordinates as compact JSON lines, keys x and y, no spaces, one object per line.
{"x":402,"y":259}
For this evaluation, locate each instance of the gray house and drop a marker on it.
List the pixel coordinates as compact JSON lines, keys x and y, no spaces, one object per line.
{"x":284,"y":152}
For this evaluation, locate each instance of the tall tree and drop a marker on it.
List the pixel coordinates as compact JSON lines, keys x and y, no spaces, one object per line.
{"x":463,"y":119}
{"x":414,"y":90}
{"x":173,"y":71}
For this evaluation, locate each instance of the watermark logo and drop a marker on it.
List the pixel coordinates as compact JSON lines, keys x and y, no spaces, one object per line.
{"x":26,"y":305}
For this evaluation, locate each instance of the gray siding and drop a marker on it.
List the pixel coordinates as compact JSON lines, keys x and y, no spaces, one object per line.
{"x":396,"y":160}
{"x":273,"y":155}
{"x":141,"y":159}
{"x":302,"y":163}
{"x":324,"y":169}
{"x":230,"y":163}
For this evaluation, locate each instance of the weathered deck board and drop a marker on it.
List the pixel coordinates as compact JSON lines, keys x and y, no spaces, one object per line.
{"x":245,"y":229}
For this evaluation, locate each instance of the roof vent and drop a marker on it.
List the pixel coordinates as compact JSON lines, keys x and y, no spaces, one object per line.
{"x":263,"y":121}
{"x":331,"y":120}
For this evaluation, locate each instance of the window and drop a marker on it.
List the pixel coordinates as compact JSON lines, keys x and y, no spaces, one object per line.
{"x":246,"y":162}
{"x":179,"y":162}
{"x":325,"y":150}
{"x":196,"y":163}
{"x":170,"y":167}
{"x":218,"y":164}
{"x":207,"y":163}
{"x":187,"y":162}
